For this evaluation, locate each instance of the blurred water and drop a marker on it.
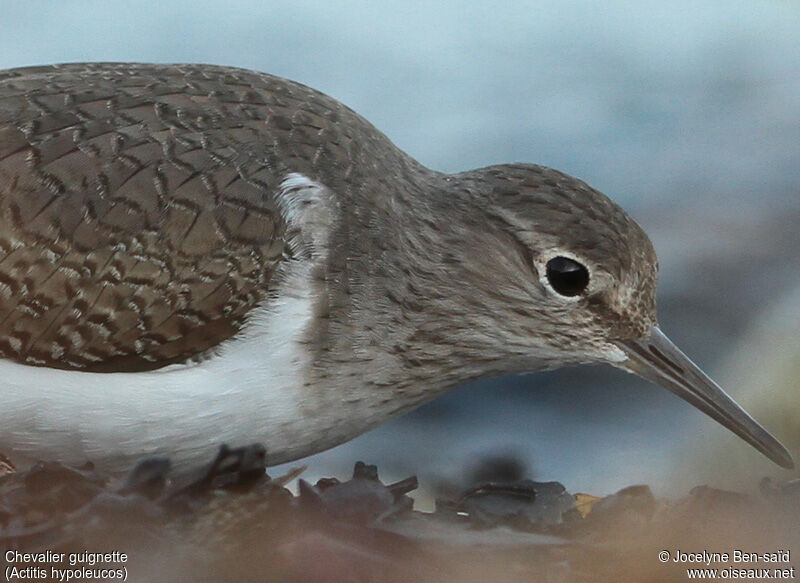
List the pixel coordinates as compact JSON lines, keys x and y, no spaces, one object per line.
{"x":643,"y":99}
{"x":686,"y":112}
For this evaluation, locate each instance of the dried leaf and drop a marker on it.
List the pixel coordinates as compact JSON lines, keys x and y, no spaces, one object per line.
{"x":584,"y":503}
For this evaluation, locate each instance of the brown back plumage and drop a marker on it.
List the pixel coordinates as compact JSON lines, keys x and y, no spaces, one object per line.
{"x":137,"y":219}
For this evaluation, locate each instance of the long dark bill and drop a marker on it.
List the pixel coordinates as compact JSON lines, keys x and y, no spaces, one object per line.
{"x":658,"y":360}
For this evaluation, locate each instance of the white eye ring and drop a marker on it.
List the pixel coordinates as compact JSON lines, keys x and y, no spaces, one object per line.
{"x":575,"y":276}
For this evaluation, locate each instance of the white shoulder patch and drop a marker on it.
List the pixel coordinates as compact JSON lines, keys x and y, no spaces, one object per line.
{"x":308,"y":207}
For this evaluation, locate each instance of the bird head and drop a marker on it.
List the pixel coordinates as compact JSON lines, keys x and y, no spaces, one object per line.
{"x":573,"y":277}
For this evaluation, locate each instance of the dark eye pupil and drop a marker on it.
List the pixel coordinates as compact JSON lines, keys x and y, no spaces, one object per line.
{"x":567,"y":276}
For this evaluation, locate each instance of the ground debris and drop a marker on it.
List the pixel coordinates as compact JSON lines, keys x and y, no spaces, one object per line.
{"x":233,"y":522}
{"x":523,"y":504}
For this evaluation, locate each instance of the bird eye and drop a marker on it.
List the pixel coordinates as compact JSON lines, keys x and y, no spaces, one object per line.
{"x":567,"y":276}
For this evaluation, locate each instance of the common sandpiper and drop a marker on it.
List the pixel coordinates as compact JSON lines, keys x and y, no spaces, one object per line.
{"x":194,"y":254}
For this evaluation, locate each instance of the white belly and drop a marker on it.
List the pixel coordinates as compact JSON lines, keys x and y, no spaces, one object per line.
{"x":252,"y":391}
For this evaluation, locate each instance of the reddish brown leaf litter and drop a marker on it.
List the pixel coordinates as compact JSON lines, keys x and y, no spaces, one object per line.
{"x":232,"y":522}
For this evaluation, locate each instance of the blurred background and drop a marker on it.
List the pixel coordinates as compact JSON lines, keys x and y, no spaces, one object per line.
{"x":685,"y":112}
